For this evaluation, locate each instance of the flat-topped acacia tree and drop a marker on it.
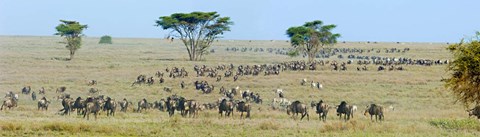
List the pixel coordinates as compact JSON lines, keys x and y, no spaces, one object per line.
{"x":311,"y":37}
{"x":197,"y":30}
{"x":72,"y":31}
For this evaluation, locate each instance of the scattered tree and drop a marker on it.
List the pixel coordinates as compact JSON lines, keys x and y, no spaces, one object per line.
{"x":72,"y":31}
{"x":105,"y":40}
{"x":311,"y":37}
{"x":464,"y":81}
{"x":197,"y":30}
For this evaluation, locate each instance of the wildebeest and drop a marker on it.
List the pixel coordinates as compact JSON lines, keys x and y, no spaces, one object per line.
{"x":191,"y":108}
{"x":110,"y":106}
{"x":167,"y":89}
{"x":142,"y":104}
{"x":79,"y":105}
{"x":226,"y":106}
{"x":34,"y":95}
{"x":345,"y":109}
{"x":322,"y":110}
{"x":298,"y":108}
{"x":67,"y":103}
{"x":474,"y":112}
{"x":43,"y":104}
{"x":26,"y":90}
{"x":243,"y":107}
{"x":93,"y":90}
{"x":61,"y":89}
{"x":9,"y":102}
{"x":92,"y":82}
{"x":41,"y":91}
{"x":376,"y":110}
{"x":92,"y":106}
{"x":124,"y":105}
{"x":171,"y":105}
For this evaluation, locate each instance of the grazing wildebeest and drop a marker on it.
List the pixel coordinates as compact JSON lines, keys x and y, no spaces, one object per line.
{"x":167,"y":89}
{"x":243,"y":107}
{"x":140,"y":80}
{"x":43,"y":104}
{"x":142,"y":104}
{"x":93,"y":90}
{"x":110,"y":106}
{"x":345,"y":109}
{"x":297,"y":107}
{"x":322,"y":110}
{"x":226,"y":106}
{"x":376,"y":110}
{"x":191,"y":108}
{"x":92,"y":82}
{"x":92,"y":106}
{"x":26,"y":90}
{"x":474,"y":112}
{"x":61,"y":89}
{"x":9,"y":102}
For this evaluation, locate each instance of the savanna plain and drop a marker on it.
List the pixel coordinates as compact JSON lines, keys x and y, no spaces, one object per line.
{"x":423,"y":107}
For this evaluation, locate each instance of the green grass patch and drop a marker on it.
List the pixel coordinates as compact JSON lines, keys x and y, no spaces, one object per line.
{"x":457,"y":124}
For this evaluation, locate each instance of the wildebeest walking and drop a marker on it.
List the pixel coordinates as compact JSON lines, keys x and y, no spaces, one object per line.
{"x":376,"y":110}
{"x":43,"y":104}
{"x":92,"y":106}
{"x":322,"y":110}
{"x":26,"y":90}
{"x":226,"y":106}
{"x":142,"y":104}
{"x":34,"y":96}
{"x":243,"y":107}
{"x":79,"y":106}
{"x":67,"y":103}
{"x":92,"y":82}
{"x":110,"y":106}
{"x":9,"y":102}
{"x":298,"y":108}
{"x":191,"y":108}
{"x":345,"y":109}
{"x":124,"y":105}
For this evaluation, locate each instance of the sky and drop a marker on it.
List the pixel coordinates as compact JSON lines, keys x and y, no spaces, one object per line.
{"x":356,"y":20}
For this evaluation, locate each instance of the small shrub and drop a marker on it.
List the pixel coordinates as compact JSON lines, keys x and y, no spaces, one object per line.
{"x":105,"y":40}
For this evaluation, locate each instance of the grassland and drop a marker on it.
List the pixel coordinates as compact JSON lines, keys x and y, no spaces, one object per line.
{"x":422,"y":106}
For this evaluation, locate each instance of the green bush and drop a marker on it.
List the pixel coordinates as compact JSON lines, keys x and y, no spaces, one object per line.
{"x":105,"y":40}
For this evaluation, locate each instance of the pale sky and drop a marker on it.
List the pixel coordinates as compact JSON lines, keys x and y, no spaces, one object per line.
{"x":356,"y":20}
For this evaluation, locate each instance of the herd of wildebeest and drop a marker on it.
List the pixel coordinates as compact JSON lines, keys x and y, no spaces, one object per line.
{"x":232,"y":97}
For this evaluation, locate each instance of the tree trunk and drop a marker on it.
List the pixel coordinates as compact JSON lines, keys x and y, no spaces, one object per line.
{"x":311,"y":57}
{"x":72,"y":53}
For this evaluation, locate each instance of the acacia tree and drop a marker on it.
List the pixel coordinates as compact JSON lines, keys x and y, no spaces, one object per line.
{"x":72,"y":31}
{"x":197,"y":30}
{"x":311,"y":37}
{"x":464,"y":81}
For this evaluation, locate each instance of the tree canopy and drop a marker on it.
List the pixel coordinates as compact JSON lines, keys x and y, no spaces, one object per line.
{"x":464,"y":80}
{"x":73,"y":32}
{"x":197,"y":30}
{"x":105,"y":40}
{"x":311,"y":37}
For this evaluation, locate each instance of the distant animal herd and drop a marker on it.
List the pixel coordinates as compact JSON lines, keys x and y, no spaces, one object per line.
{"x":229,"y":102}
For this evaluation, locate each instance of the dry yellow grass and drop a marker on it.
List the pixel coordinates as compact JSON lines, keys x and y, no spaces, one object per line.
{"x":417,"y":93}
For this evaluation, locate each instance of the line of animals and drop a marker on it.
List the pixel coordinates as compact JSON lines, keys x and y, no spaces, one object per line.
{"x":189,"y":107}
